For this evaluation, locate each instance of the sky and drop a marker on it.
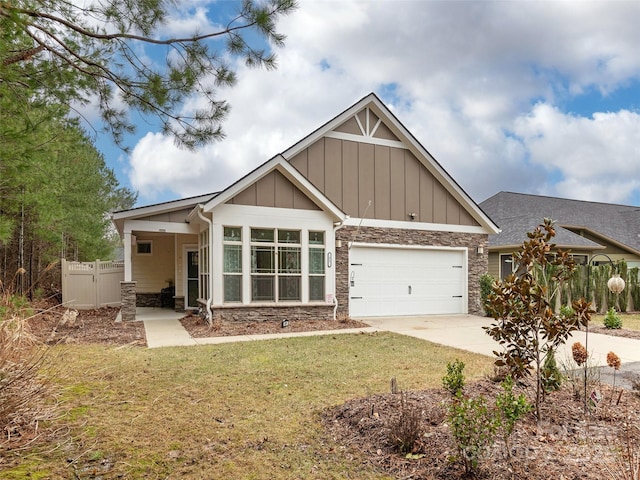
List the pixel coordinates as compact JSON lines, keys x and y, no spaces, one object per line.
{"x":530,"y":97}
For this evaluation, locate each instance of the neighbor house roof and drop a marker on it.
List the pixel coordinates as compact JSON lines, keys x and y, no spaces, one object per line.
{"x":519,"y":213}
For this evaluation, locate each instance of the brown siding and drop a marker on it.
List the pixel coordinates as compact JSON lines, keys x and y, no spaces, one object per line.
{"x":381,"y":202}
{"x":426,"y":196}
{"x":350,"y":126}
{"x":283,"y":192}
{"x":384,"y":132}
{"x":396,"y":180}
{"x":366,"y":186}
{"x":333,"y":170}
{"x":301,"y":162}
{"x":274,"y":190}
{"x":266,"y":190}
{"x":351,"y":174}
{"x":316,"y":164}
{"x":412,"y":185}
{"x":439,"y":203}
{"x":350,"y":194}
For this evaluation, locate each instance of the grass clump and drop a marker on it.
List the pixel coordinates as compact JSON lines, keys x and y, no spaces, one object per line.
{"x":24,"y":387}
{"x":405,"y":430}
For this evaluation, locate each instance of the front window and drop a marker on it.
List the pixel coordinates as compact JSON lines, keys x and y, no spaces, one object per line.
{"x":232,"y":264}
{"x":316,"y":266}
{"x":203,"y":267}
{"x":275,"y":265}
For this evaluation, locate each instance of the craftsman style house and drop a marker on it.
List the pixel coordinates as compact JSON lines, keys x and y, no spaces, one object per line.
{"x":355,"y":219}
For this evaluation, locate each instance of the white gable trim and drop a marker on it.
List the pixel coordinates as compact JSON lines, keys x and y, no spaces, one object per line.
{"x":161,"y":207}
{"x":158,"y":227}
{"x":360,"y":139}
{"x":285,"y":168}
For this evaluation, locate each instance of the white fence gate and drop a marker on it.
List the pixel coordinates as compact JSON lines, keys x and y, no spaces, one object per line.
{"x":92,"y":284}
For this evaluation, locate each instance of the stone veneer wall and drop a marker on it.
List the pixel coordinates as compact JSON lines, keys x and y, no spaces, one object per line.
{"x":149,"y":300}
{"x":128,"y":301}
{"x":179,"y":304}
{"x":478,"y":263}
{"x":278,"y":313}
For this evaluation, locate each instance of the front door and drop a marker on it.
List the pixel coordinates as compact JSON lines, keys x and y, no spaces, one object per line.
{"x":191,"y":299}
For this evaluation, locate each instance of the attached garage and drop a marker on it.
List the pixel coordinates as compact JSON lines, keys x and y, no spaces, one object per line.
{"x":394,"y":280}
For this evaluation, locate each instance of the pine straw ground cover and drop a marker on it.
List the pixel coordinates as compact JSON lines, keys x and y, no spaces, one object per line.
{"x":566,"y":444}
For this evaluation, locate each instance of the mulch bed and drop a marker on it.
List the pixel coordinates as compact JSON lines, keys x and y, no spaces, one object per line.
{"x":615,"y":332}
{"x":566,"y":444}
{"x":90,"y":326}
{"x":199,"y":328}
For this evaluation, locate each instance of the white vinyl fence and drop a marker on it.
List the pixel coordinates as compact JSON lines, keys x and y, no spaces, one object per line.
{"x":91,"y":284}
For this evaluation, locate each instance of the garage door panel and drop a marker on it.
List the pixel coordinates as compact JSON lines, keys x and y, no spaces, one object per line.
{"x":401,"y":281}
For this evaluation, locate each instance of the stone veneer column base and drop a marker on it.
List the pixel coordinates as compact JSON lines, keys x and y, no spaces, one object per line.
{"x":128,"y":301}
{"x":179,"y":305}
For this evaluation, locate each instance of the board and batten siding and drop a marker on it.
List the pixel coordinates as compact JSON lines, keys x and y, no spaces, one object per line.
{"x":273,"y":190}
{"x":352,"y":174}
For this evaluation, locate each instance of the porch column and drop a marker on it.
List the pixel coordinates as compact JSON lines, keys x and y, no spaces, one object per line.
{"x":128,"y":301}
{"x":127,"y":256}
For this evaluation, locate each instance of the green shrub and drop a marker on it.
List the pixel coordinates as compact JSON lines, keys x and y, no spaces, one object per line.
{"x":486,"y":281}
{"x":551,"y":374}
{"x":612,"y":320}
{"x":473,"y":426}
{"x":453,"y":381}
{"x":511,"y":409}
{"x":566,"y":311}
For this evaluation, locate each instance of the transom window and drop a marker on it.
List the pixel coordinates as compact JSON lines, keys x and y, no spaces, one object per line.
{"x":276,"y":269}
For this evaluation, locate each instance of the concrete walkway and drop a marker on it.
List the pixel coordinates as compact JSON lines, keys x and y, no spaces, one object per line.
{"x":465,"y":332}
{"x":163,"y":329}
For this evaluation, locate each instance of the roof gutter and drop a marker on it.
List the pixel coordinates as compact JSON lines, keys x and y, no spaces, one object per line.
{"x":209,"y":314}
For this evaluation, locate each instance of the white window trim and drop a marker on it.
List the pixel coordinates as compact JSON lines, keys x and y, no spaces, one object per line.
{"x":272,"y":218}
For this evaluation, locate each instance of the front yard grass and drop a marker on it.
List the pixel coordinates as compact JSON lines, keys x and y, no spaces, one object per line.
{"x":246,"y":410}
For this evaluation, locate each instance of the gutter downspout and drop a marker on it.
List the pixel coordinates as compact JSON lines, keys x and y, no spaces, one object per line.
{"x":209,"y":315}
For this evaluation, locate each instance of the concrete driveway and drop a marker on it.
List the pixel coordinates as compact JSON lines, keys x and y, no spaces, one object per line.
{"x":465,"y":332}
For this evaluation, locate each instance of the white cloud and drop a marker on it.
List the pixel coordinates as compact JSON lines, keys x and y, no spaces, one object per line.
{"x":462,"y":76}
{"x":596,"y":157}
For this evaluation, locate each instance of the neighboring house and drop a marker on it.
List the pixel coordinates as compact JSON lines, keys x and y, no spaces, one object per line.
{"x":356,"y":216}
{"x":592,"y":231}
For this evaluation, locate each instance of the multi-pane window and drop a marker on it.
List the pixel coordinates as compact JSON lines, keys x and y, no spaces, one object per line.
{"x":232,"y":264}
{"x":316,"y":266}
{"x":203,"y":260}
{"x":275,"y":265}
{"x":289,"y":265}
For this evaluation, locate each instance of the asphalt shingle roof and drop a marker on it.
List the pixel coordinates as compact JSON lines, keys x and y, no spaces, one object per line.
{"x":518,"y":213}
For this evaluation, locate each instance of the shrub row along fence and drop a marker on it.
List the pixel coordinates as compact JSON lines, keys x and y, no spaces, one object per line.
{"x":590,"y":281}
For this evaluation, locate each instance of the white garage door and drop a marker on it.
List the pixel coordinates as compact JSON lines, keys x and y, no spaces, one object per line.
{"x":406,"y":281}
